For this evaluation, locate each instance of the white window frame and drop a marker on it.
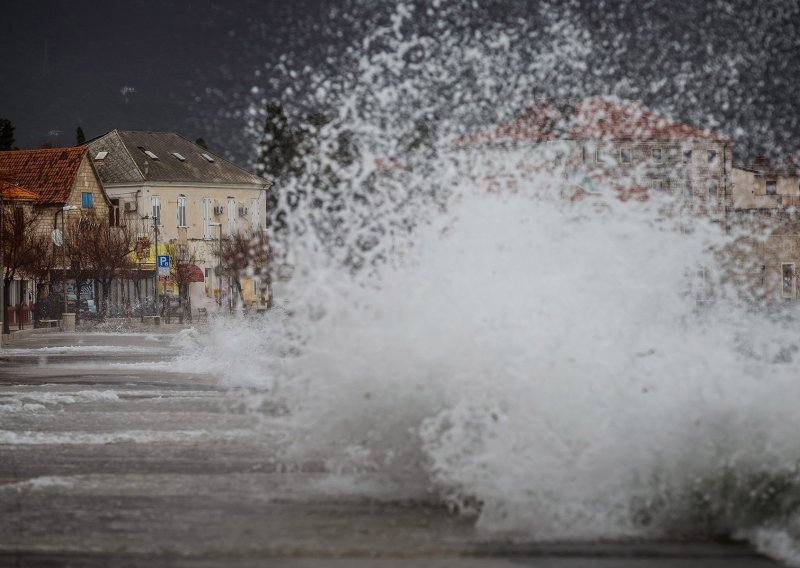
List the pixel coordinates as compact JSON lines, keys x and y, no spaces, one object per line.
{"x":712,"y":183}
{"x":182,"y":211}
{"x":766,"y":186}
{"x":660,"y":158}
{"x":791,"y":292}
{"x":207,"y":218}
{"x":155,"y":208}
{"x":231,"y":215}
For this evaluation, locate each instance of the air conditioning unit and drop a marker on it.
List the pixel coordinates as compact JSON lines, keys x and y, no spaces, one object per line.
{"x":129,"y":206}
{"x":243,"y":210}
{"x":219,"y":209}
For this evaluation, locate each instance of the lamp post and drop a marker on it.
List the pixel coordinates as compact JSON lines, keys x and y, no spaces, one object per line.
{"x":219,"y":263}
{"x":70,"y":326}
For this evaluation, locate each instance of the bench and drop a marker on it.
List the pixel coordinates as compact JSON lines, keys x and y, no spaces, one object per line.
{"x":152,"y":320}
{"x":48,"y":323}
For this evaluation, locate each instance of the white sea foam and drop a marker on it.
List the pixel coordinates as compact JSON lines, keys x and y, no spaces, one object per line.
{"x":543,"y":364}
{"x":14,"y":438}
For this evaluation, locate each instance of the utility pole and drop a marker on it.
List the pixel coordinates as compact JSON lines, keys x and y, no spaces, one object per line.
{"x":155,"y":282}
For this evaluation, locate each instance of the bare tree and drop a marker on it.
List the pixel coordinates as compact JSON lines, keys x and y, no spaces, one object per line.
{"x":23,"y":245}
{"x":108,"y":252}
{"x":78,"y":232}
{"x":182,"y":273}
{"x":248,"y":254}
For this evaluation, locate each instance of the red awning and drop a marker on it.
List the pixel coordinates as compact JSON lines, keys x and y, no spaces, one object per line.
{"x":191,"y":273}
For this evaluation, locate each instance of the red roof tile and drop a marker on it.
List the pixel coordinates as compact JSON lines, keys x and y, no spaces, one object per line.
{"x":12,"y":192}
{"x":591,"y":119}
{"x":50,"y":173}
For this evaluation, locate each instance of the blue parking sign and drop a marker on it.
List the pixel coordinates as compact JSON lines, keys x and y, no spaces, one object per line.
{"x":163,"y":265}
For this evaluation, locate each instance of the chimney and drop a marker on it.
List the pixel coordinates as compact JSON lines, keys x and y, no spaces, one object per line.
{"x":761,"y":161}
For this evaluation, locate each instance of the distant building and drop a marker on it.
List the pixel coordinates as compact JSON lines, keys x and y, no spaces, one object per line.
{"x":766,"y":219}
{"x":591,"y":142}
{"x":195,"y":195}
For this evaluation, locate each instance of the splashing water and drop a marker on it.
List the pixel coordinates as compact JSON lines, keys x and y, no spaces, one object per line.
{"x":537,"y":362}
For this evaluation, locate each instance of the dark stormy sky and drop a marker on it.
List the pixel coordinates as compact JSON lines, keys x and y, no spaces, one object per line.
{"x":188,"y":65}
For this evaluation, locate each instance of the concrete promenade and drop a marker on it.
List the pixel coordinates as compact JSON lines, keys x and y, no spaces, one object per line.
{"x":108,"y":457}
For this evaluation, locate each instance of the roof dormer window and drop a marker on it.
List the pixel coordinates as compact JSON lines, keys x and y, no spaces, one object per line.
{"x":208,"y":158}
{"x":179,"y":156}
{"x":148,"y":153}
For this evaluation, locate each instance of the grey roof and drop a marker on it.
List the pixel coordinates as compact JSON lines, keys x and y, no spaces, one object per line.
{"x":127,"y":161}
{"x":765,"y":166}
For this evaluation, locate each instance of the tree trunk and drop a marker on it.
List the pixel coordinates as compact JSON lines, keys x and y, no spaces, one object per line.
{"x":6,"y":302}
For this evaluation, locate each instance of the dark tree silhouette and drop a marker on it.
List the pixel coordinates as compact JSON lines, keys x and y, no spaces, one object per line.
{"x":6,"y":134}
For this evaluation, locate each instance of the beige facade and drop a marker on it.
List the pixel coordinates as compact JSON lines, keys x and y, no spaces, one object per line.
{"x":765,"y":198}
{"x":696,"y":171}
{"x":755,"y":189}
{"x":171,"y":191}
{"x":195,"y":215}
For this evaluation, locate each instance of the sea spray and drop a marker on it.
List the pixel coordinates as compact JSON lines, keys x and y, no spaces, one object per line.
{"x":556,"y":367}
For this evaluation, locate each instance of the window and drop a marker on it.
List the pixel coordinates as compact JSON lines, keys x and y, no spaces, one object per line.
{"x":589,"y":153}
{"x":207,"y":218}
{"x":155,"y":202}
{"x":658,"y":184}
{"x":113,"y":213}
{"x":712,"y":158}
{"x":148,"y":153}
{"x":231,"y":215}
{"x":87,"y":200}
{"x":625,"y":155}
{"x":256,"y":214}
{"x":182,"y":211}
{"x":787,"y":271}
{"x":687,"y":156}
{"x":179,"y":156}
{"x":772,"y":187}
{"x":657,"y":154}
{"x":100,"y":156}
{"x":712,"y":188}
{"x":689,"y":192}
{"x":598,"y":154}
{"x":208,"y":158}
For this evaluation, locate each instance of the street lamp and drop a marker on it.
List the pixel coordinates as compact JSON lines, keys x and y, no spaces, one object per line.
{"x":219,"y":262}
{"x":63,"y":246}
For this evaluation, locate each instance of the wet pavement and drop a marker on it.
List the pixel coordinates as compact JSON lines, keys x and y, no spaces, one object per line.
{"x":110,"y":458}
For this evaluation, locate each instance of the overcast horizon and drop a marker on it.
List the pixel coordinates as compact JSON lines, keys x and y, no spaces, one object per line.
{"x":190,"y":66}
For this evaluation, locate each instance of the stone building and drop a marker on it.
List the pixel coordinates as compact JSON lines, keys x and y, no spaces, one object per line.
{"x":59,"y":177}
{"x":180,"y":193}
{"x":591,"y":143}
{"x":766,"y":226}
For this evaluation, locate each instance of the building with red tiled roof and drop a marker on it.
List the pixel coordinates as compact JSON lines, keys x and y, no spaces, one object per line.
{"x":619,"y":141}
{"x":57,"y":177}
{"x":45,"y":181}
